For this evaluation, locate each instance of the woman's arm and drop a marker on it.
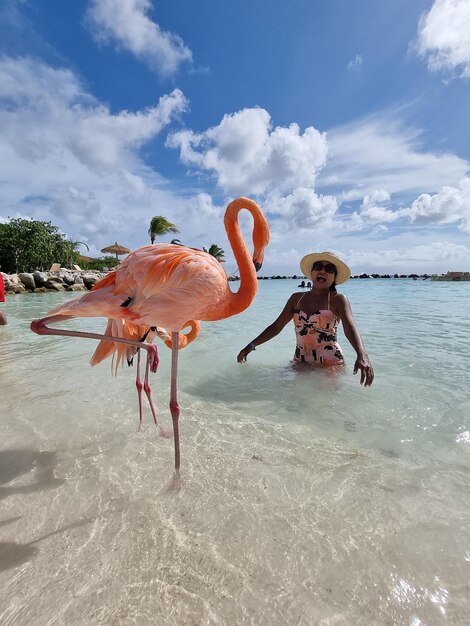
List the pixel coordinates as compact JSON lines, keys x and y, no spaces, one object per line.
{"x":273,"y":329}
{"x":362,"y":362}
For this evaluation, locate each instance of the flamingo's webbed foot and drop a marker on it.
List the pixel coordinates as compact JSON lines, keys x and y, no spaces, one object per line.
{"x":175,"y":483}
{"x":166,"y":434}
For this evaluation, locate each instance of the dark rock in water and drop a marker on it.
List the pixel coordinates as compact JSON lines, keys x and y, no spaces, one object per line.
{"x":53,"y":279}
{"x":27,"y":280}
{"x":54,"y":283}
{"x":40,"y":278}
{"x":66,"y":277}
{"x":90,"y":280}
{"x":76,"y":287}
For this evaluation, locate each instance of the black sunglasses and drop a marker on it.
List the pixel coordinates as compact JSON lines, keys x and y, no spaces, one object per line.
{"x":328,"y":267}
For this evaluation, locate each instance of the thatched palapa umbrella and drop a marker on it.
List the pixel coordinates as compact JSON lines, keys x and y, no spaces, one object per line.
{"x":116,"y":249}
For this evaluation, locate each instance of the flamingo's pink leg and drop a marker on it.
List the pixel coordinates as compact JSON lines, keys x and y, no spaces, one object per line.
{"x":174,"y":406}
{"x":138,"y":384}
{"x":40,"y":327}
{"x":148,"y":392}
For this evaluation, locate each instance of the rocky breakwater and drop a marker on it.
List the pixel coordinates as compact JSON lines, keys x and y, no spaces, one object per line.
{"x":63,"y":280}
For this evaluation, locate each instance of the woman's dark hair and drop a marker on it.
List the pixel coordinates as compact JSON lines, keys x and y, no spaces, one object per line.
{"x":333,"y":284}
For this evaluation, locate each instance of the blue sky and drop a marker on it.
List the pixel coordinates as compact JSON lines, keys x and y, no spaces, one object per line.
{"x":346,"y":121}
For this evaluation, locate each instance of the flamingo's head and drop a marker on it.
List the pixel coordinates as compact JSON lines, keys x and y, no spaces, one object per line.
{"x":260,"y":226}
{"x":38,"y":327}
{"x":260,"y":239}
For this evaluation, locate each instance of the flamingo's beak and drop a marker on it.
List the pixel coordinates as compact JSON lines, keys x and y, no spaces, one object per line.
{"x":258,"y":257}
{"x":260,"y":240}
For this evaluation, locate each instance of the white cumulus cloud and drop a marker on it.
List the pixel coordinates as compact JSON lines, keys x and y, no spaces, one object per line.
{"x":246,"y":154}
{"x":381,"y":152}
{"x":126,"y":22}
{"x":303,"y":209}
{"x":449,"y":205}
{"x":55,"y":114}
{"x":102,"y":139}
{"x":444,"y":36}
{"x":65,"y":157}
{"x":372,"y":209}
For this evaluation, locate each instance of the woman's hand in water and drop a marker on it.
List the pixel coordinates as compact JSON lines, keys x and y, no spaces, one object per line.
{"x":367,"y":373}
{"x":241,"y":358}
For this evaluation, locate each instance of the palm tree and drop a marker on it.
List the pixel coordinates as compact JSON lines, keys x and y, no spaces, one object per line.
{"x":75,"y":245}
{"x":159,"y":225}
{"x":216,"y":252}
{"x":73,"y":251}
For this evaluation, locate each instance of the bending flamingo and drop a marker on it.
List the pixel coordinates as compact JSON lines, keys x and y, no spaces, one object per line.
{"x":167,"y":286}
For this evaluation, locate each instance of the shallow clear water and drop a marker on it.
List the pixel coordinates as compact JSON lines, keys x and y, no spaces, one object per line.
{"x":306,"y":498}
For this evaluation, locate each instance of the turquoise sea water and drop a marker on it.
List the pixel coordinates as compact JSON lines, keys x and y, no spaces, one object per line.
{"x":306,"y":499}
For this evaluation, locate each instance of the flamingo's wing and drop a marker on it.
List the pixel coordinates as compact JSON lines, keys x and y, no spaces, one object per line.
{"x":103,"y":300}
{"x":169,"y":284}
{"x":161,"y":285}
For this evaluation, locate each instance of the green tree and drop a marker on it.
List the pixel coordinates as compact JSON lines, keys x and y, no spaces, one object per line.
{"x":216,"y":252}
{"x":101,"y":263}
{"x":28,"y":245}
{"x":159,"y":225}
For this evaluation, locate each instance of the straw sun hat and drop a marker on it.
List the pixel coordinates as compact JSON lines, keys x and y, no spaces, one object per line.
{"x":343,"y":271}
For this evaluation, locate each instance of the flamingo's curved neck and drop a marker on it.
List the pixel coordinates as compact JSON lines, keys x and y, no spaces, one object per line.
{"x":240,"y":300}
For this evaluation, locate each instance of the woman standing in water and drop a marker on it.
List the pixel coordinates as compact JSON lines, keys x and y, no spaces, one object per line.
{"x":316,"y":316}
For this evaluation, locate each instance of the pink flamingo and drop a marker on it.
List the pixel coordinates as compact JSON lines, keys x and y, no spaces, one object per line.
{"x":167,"y":286}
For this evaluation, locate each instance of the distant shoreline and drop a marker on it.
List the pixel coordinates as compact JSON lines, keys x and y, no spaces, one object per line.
{"x":362,"y":276}
{"x":83,"y":280}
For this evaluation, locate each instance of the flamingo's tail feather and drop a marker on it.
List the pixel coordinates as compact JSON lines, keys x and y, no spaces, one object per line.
{"x":120,"y":352}
{"x":128,"y":330}
{"x":104,"y":348}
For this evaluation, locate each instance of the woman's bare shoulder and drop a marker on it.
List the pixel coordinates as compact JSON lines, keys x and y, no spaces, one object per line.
{"x":338,"y":303}
{"x":295,"y":297}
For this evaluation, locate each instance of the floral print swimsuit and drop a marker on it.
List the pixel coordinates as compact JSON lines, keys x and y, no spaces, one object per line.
{"x":316,"y":336}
